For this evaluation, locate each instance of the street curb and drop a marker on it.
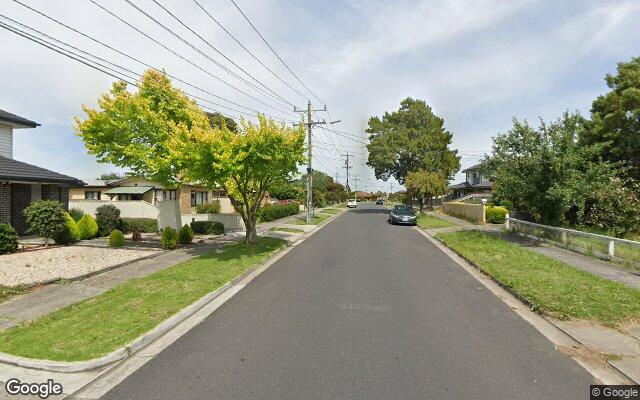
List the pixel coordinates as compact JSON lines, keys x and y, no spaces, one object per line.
{"x":555,"y":337}
{"x":148,"y":337}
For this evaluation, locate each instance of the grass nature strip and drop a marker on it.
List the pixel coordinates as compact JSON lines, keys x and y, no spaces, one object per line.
{"x":547,"y":284}
{"x":316,"y":220}
{"x":426,"y":221}
{"x":99,"y":325}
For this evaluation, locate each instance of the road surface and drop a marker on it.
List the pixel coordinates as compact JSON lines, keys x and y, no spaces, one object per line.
{"x":361,"y":310}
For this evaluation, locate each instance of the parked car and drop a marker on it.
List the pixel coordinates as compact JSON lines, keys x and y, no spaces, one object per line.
{"x":379,"y":202}
{"x":352,"y":203}
{"x":402,"y":214}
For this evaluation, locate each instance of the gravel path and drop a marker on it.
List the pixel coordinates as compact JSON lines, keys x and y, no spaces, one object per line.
{"x":62,"y":262}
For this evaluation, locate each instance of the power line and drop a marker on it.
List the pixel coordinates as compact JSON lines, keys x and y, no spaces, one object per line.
{"x":129,"y":71}
{"x":83,"y":60}
{"x":274,"y":52}
{"x":179,"y":55}
{"x":248,"y":51}
{"x":130,"y":57}
{"x":211,"y":46}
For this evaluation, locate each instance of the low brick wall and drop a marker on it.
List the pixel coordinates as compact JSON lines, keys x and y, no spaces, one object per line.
{"x":470,"y":212}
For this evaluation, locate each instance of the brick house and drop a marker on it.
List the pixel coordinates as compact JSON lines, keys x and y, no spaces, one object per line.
{"x":22,"y":183}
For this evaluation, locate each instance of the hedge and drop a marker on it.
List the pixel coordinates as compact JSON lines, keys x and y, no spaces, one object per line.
{"x":87,"y":227}
{"x":108,"y":219}
{"x":207,"y":227}
{"x":69,"y":234}
{"x":209,"y":208}
{"x":496,"y":215}
{"x":185,"y":235}
{"x":116,"y":238}
{"x":8,"y":239}
{"x":272,"y":212}
{"x":169,"y":239}
{"x":144,"y":225}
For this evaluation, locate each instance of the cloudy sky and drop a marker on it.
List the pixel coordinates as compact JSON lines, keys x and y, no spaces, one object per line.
{"x":478,"y":63}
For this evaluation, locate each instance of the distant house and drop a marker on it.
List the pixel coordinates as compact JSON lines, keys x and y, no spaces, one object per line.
{"x":126,"y":192}
{"x":475,"y":184}
{"x":22,"y":183}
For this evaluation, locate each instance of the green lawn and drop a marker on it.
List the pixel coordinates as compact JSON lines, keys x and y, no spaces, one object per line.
{"x":285,"y":229}
{"x":331,"y":211}
{"x":549,"y":285}
{"x":316,"y":220}
{"x":99,"y":325}
{"x":427,"y":221}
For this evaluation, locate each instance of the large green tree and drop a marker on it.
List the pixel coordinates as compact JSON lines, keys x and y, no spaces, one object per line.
{"x":545,"y":174}
{"x":410,"y":139}
{"x":132,"y":129}
{"x":245,"y":162}
{"x":425,"y":185}
{"x":615,"y":118}
{"x":218,"y":120}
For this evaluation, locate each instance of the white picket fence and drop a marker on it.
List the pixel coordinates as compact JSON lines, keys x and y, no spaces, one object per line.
{"x":601,"y":246}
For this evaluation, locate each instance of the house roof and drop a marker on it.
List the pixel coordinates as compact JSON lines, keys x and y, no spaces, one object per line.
{"x":472,"y":168}
{"x":6,"y":116}
{"x":17,"y":171}
{"x":129,"y":190}
{"x":459,"y":185}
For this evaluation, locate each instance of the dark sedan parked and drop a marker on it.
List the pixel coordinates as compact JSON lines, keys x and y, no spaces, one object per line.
{"x":402,"y":214}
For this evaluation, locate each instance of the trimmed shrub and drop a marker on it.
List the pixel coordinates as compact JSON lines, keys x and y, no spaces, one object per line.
{"x":207,"y":227}
{"x":69,"y":234}
{"x":185,"y":235}
{"x":45,"y":218}
{"x":76,"y":214}
{"x":272,"y":212}
{"x":209,"y":208}
{"x":8,"y":239}
{"x":116,"y":238}
{"x":495,"y":215}
{"x":87,"y":227}
{"x":169,"y":238}
{"x":144,"y":225}
{"x":108,"y":219}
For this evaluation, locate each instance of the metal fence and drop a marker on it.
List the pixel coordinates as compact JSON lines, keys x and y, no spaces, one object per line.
{"x":601,"y":246}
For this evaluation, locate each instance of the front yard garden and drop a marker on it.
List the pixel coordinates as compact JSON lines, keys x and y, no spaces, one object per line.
{"x":550,"y":286}
{"x":99,"y":325}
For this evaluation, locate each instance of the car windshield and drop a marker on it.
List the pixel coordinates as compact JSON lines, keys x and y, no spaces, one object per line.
{"x":403,"y":210}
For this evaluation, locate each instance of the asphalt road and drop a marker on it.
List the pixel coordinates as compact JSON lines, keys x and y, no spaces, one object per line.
{"x":361,"y":310}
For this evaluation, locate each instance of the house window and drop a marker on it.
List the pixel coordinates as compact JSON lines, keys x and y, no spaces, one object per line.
{"x":198,"y":198}
{"x":164,"y":194}
{"x":92,"y":195}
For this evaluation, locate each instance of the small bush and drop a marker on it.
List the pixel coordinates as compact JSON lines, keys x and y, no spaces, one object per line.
{"x":272,"y":212}
{"x":108,"y":219}
{"x":169,"y":238}
{"x":207,"y":227}
{"x":45,"y":218}
{"x":69,"y":234}
{"x":87,"y":227}
{"x":185,"y":235}
{"x":8,"y":239}
{"x":209,"y":208}
{"x":496,"y":215}
{"x":144,"y":225}
{"x":116,"y":238}
{"x":76,"y":214}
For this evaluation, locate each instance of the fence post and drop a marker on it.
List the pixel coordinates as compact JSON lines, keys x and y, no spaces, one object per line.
{"x":506,"y":222}
{"x":612,"y":248}
{"x":564,"y":238}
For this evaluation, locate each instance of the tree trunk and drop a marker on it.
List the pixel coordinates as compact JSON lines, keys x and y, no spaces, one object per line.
{"x":251,"y":234}
{"x":421,"y":203}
